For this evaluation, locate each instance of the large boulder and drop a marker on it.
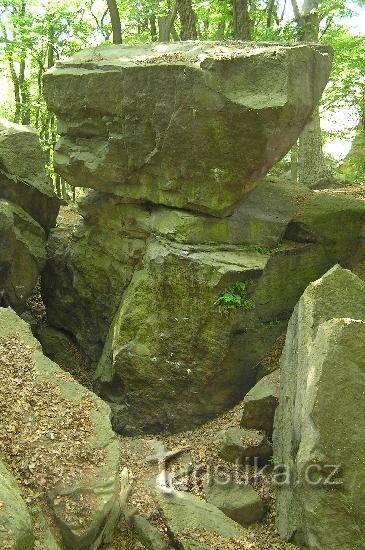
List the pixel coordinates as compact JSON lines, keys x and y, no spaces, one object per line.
{"x":175,"y":341}
{"x":16,"y":529}
{"x":22,"y":254}
{"x":225,"y":113}
{"x":57,"y":437}
{"x":23,"y":177}
{"x":318,"y":437}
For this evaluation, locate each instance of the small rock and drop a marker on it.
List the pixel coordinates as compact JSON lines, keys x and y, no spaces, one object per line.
{"x":239,"y":502}
{"x":260,"y":403}
{"x":243,"y":445}
{"x":182,"y":511}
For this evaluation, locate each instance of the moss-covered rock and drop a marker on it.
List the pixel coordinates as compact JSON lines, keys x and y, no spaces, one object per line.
{"x":22,"y":254}
{"x":23,"y":178}
{"x":173,"y":357}
{"x":223,"y":116}
{"x":238,"y":501}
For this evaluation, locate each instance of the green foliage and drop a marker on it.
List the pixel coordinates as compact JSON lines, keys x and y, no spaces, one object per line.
{"x":34,"y":34}
{"x":235,"y":297}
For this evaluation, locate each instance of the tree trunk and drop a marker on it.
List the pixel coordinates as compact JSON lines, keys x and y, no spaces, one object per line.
{"x":353,"y":166}
{"x":165,"y":25}
{"x":241,"y":20}
{"x":188,"y":20}
{"x":311,"y":163}
{"x":153,"y":28}
{"x":115,"y":21}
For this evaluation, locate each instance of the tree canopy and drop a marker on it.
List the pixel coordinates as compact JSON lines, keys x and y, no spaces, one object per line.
{"x":35,"y":33}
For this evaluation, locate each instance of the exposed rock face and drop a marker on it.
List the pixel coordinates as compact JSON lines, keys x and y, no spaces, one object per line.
{"x":161,"y":358}
{"x":150,"y":283}
{"x":23,"y":178}
{"x":16,"y":529}
{"x":223,"y":116}
{"x":243,"y":446}
{"x":320,"y":414}
{"x":67,"y":440}
{"x":183,"y":270}
{"x":28,"y":209}
{"x":22,"y":253}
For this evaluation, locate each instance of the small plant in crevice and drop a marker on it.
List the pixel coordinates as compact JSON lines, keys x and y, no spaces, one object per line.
{"x":264,"y":250}
{"x":235,"y":297}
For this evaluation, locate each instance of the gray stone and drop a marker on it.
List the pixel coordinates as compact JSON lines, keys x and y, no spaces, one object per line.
{"x":23,"y":178}
{"x":260,"y":403}
{"x":16,"y":529}
{"x":224,"y":115}
{"x":320,"y":414}
{"x":239,"y":502}
{"x":260,"y":220}
{"x":182,"y":511}
{"x":244,"y":446}
{"x":22,"y":254}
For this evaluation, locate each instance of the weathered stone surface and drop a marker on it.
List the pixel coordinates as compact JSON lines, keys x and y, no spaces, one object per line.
{"x":169,"y":344}
{"x":320,"y":414}
{"x":182,"y":511}
{"x":244,"y":446}
{"x":88,"y":270}
{"x":22,"y":254}
{"x":237,"y":501}
{"x":86,"y":502}
{"x":260,"y":220}
{"x":224,"y":115}
{"x":23,"y":178}
{"x":16,"y":529}
{"x":260,"y":403}
{"x":100,"y":280}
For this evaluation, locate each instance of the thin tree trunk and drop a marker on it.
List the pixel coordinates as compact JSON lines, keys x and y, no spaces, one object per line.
{"x":188,"y":20}
{"x":241,"y":20}
{"x":115,"y":21}
{"x":165,"y":25}
{"x":311,"y":162}
{"x":153,"y":28}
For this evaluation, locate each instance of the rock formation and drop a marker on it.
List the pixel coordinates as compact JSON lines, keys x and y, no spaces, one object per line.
{"x":188,"y":125}
{"x":28,"y":209}
{"x":174,"y":307}
{"x":318,"y":434}
{"x":57,"y":439}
